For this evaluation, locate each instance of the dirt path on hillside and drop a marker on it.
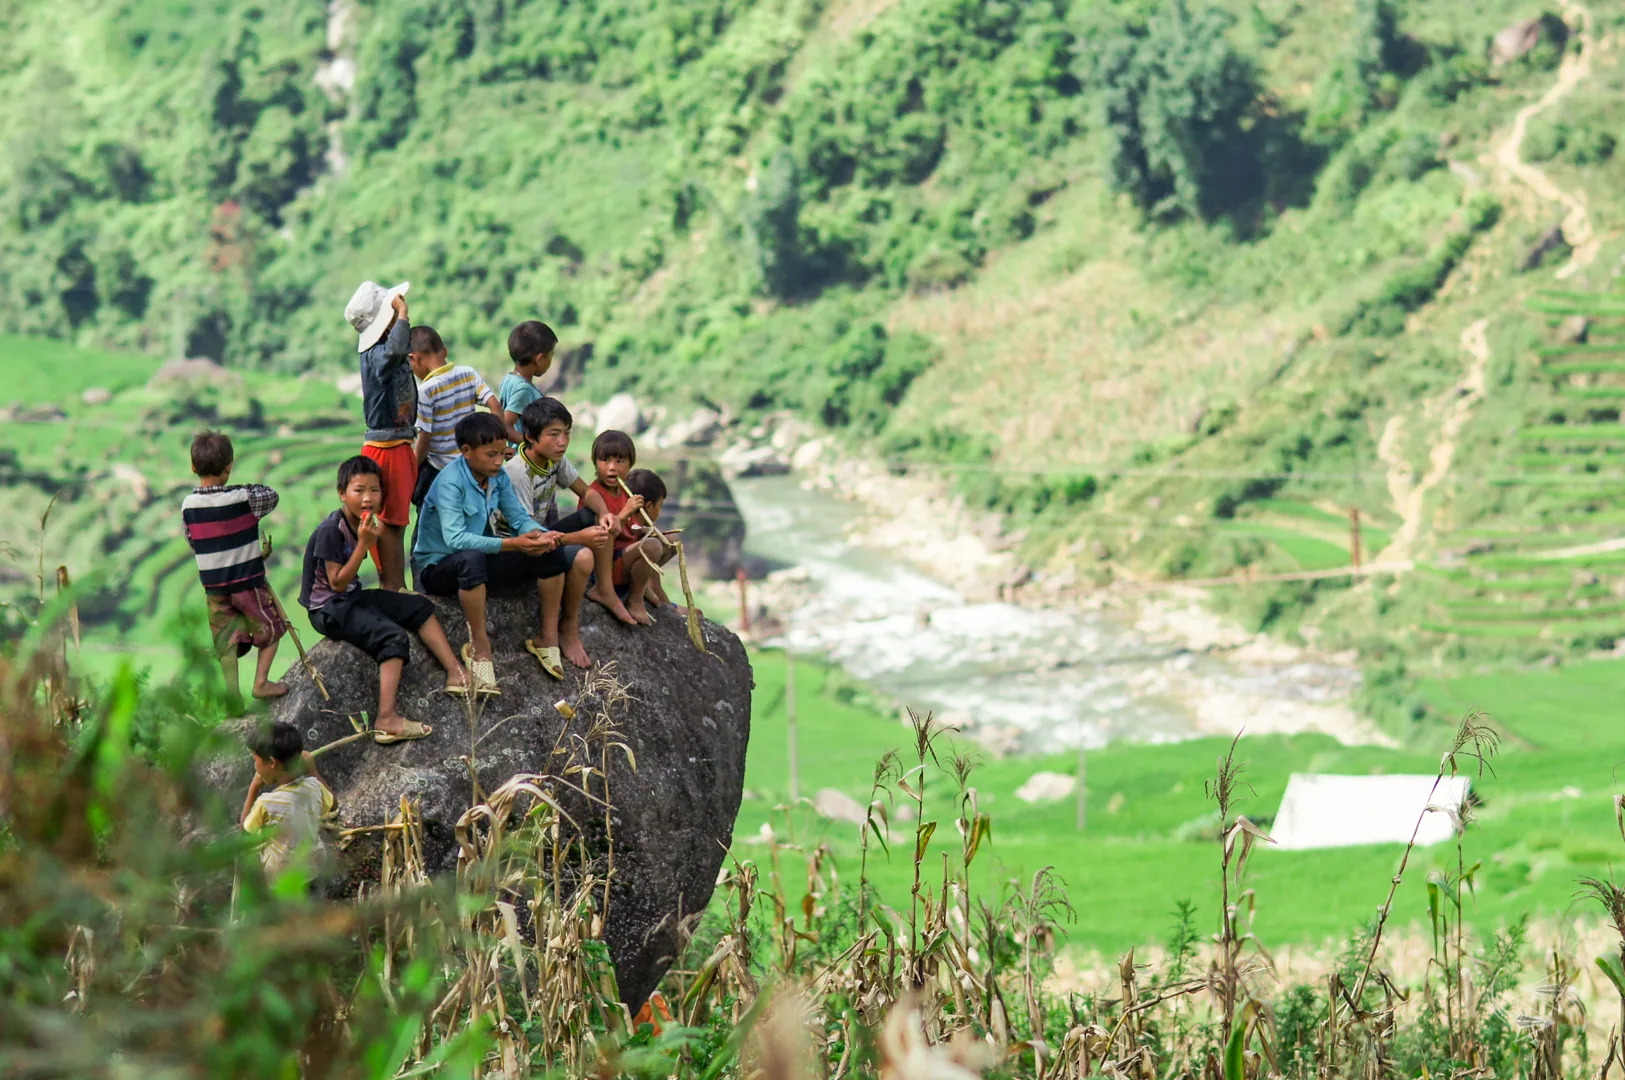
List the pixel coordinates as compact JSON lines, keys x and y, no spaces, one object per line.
{"x":1409,"y":494}
{"x":1508,"y":155}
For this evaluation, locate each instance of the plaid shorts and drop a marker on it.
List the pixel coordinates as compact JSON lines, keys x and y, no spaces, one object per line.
{"x":245,"y":620}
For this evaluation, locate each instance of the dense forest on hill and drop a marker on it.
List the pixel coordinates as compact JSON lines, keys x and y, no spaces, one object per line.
{"x":1155,"y":278}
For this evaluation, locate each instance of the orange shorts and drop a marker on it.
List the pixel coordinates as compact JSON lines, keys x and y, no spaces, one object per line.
{"x":400,"y":466}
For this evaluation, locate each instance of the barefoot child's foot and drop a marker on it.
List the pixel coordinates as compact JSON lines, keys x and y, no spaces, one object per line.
{"x":640,"y":613}
{"x":270,"y":690}
{"x":605,"y":596}
{"x":570,"y":645}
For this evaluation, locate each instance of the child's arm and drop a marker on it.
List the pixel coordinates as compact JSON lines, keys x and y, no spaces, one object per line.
{"x":254,"y":787}
{"x":261,"y":499}
{"x":340,"y":575}
{"x":421,"y":447}
{"x":510,"y":420}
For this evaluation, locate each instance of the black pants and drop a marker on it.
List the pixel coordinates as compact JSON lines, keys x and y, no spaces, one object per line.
{"x":471,"y":569}
{"x":377,"y":622}
{"x":426,"y":475}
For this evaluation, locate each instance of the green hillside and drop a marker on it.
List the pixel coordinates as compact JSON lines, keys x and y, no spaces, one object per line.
{"x":1175,"y":284}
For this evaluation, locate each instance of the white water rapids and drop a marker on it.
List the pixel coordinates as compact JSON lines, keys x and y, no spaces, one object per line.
{"x":1023,"y":678}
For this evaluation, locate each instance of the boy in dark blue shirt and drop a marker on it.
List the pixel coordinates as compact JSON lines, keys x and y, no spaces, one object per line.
{"x":376,"y":621}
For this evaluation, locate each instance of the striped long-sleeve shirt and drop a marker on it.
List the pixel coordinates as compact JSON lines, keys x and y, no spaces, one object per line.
{"x":447,"y":395}
{"x":223,"y":527}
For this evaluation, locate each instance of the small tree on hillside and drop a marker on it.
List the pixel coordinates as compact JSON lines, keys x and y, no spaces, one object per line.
{"x":773,"y":224}
{"x":1176,"y":98}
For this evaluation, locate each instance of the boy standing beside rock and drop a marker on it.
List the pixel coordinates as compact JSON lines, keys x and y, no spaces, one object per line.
{"x":389,"y":405}
{"x":223,"y":526}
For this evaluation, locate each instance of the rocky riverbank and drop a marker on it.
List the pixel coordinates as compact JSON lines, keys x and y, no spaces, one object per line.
{"x":1223,"y":678}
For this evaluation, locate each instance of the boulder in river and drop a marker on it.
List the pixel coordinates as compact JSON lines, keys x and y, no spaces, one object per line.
{"x":687,"y":723}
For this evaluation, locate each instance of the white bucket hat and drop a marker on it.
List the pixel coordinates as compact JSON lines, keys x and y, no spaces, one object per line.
{"x":369,"y":311}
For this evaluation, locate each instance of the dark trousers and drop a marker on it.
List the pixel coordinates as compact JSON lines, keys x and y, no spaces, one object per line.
{"x":471,"y":569}
{"x":377,"y":622}
{"x":426,"y":475}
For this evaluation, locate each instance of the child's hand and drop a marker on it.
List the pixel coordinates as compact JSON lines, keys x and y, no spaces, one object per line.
{"x":614,"y":525}
{"x":371,"y":529}
{"x":633,"y":505}
{"x":399,"y":304}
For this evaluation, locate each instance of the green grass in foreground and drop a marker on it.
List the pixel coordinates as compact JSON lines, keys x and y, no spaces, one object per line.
{"x":1546,"y":819}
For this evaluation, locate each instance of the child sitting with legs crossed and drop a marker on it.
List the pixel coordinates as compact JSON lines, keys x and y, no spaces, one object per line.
{"x":376,"y":621}
{"x":541,"y":470}
{"x":459,"y":552}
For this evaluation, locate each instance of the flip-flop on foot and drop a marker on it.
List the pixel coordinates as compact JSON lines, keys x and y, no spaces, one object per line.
{"x":551,"y":662}
{"x":484,"y":672}
{"x":460,"y":689}
{"x":410,"y":732}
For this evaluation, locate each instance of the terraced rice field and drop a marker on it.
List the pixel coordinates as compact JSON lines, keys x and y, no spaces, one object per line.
{"x":1548,"y":569}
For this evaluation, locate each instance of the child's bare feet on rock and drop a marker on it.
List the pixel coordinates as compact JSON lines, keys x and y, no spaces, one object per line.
{"x":570,"y":645}
{"x":270,"y":690}
{"x":606,"y":597}
{"x":640,"y":613}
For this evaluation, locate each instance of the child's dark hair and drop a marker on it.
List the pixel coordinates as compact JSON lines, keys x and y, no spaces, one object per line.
{"x":529,"y":340}
{"x":212,"y":453}
{"x":426,"y":341}
{"x":614,"y":443}
{"x":279,"y":742}
{"x":542,"y":412}
{"x":479,"y":429}
{"x":646,"y":482}
{"x":358,"y":466}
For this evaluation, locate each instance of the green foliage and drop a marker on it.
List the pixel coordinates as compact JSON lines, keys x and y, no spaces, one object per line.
{"x":1408,"y":289}
{"x":1365,"y":77}
{"x":1175,"y":98}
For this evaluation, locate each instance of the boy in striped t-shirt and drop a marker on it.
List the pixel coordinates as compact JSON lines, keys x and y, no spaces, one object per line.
{"x":446,"y":394}
{"x":223,"y":526}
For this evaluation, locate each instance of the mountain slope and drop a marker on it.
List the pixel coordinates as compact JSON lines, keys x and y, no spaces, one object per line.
{"x":1175,"y":285}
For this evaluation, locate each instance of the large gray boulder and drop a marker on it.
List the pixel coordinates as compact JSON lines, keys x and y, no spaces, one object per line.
{"x":687,"y":722}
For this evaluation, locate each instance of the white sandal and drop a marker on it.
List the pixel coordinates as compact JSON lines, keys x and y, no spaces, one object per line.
{"x":484,"y":672}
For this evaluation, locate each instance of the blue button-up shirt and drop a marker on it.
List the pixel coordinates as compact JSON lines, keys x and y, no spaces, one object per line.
{"x":457,"y":515}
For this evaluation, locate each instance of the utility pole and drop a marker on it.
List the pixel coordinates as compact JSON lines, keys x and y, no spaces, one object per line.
{"x":790,"y":712}
{"x":1083,"y":789}
{"x":1354,"y":536}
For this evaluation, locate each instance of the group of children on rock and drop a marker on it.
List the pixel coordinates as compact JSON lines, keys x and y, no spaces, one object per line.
{"x":485,"y":485}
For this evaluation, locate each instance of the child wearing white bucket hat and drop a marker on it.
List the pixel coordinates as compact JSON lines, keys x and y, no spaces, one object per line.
{"x":389,"y":404}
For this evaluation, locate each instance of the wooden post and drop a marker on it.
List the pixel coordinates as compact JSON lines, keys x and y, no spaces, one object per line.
{"x":744,"y":604}
{"x":1354,"y":536}
{"x":1083,"y":788}
{"x":790,"y":713}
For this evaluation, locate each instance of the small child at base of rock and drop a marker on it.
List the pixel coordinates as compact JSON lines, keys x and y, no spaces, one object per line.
{"x":376,"y":621}
{"x":643,"y":547}
{"x":286,"y":803}
{"x":222,"y":523}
